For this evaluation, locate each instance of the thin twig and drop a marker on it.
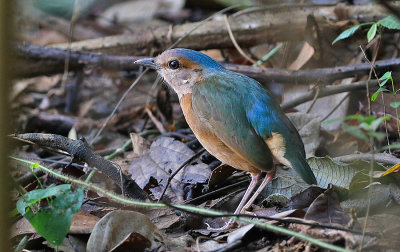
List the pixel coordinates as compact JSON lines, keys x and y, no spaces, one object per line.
{"x":371,"y":142}
{"x":228,"y":27}
{"x":336,"y":107}
{"x":117,"y":106}
{"x":378,"y":157}
{"x":156,"y":122}
{"x":74,"y":18}
{"x":216,"y":192}
{"x":317,"y":89}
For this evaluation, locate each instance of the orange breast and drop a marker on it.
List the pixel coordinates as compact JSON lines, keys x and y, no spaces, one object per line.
{"x":211,"y":142}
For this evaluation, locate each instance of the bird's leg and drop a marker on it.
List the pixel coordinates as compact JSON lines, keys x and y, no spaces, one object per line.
{"x":254,"y":181}
{"x":267,"y":179}
{"x":231,"y":223}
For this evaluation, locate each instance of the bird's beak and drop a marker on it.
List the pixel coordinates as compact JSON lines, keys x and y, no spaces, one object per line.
{"x":148,"y":62}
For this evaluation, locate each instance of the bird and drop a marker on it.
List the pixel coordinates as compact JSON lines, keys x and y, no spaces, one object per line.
{"x":233,"y":116}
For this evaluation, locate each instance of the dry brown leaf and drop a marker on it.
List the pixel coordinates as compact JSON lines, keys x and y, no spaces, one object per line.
{"x":166,"y":155}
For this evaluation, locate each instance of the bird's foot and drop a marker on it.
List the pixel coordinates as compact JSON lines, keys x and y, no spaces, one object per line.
{"x":228,"y":225}
{"x":249,"y":210}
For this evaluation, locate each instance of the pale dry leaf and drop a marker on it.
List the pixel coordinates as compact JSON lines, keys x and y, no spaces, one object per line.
{"x":306,"y":53}
{"x":140,"y":145}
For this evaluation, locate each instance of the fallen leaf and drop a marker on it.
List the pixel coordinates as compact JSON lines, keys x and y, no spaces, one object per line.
{"x":328,"y":171}
{"x":326,"y":209}
{"x":305,"y":198}
{"x":288,"y":183}
{"x":140,"y":145}
{"x":165,"y":156}
{"x":219,"y":175}
{"x":83,"y":223}
{"x":306,"y":53}
{"x":121,"y":226}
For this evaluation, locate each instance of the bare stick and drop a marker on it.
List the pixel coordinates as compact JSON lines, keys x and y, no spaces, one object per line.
{"x":81,"y":150}
{"x":228,"y":27}
{"x":326,"y":92}
{"x":379,"y":157}
{"x":35,"y":60}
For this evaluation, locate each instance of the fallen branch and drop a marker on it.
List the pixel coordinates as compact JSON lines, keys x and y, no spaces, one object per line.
{"x":327,"y":91}
{"x":35,"y":60}
{"x":378,"y":157}
{"x":81,"y":150}
{"x":249,"y":30}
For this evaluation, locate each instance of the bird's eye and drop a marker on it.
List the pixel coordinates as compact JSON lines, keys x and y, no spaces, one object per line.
{"x":174,"y":64}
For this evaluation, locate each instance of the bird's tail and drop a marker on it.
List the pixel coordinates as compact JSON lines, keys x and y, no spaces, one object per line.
{"x":301,"y":166}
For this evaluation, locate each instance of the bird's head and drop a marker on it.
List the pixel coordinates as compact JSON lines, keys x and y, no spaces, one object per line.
{"x":182,"y":68}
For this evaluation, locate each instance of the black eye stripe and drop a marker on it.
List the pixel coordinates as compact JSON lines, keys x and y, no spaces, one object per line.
{"x":174,"y":64}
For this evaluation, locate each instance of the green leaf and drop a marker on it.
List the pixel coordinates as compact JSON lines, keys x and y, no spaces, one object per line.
{"x":387,"y":147}
{"x":377,"y":135}
{"x":35,"y":196}
{"x":382,"y":83}
{"x":34,"y":166}
{"x":372,"y":32}
{"x":347,"y":33}
{"x":54,"y":221}
{"x":386,"y":76}
{"x":355,"y":131}
{"x":372,"y":126}
{"x":395,"y":104}
{"x":375,"y":95}
{"x":390,"y":22}
{"x":359,"y":118}
{"x":268,"y":55}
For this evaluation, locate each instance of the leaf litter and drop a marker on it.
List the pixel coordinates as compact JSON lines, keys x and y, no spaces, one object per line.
{"x":342,"y":196}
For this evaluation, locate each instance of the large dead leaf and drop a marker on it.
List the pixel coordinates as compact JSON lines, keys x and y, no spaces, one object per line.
{"x":165,"y":156}
{"x":305,"y":198}
{"x":129,"y":229}
{"x":326,"y":209}
{"x":288,"y":183}
{"x":328,"y":171}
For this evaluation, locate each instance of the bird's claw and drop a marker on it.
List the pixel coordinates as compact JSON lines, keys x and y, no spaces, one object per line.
{"x":228,"y":225}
